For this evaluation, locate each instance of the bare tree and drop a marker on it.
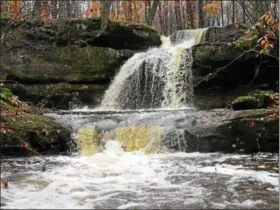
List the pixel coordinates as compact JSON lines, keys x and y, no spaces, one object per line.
{"x":200,"y":14}
{"x":152,"y":12}
{"x":106,"y":5}
{"x":178,"y":15}
{"x":37,"y":10}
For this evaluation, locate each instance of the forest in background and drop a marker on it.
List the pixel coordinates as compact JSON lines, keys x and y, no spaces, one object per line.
{"x":165,"y":16}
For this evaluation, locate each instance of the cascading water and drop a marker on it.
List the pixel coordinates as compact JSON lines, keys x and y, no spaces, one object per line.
{"x":160,"y":77}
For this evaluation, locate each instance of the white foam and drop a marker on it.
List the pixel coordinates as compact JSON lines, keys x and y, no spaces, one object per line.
{"x":118,"y":179}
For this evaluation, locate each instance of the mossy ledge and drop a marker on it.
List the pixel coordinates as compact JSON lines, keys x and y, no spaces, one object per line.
{"x":43,"y":135}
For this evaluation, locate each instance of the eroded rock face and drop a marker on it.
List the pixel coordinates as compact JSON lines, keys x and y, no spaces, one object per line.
{"x":226,"y":71}
{"x":86,"y":32}
{"x":75,"y":52}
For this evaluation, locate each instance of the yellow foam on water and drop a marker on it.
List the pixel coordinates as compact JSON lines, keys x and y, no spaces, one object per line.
{"x":88,"y":140}
{"x":147,"y":139}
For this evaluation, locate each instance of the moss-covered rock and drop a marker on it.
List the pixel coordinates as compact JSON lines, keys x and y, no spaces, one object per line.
{"x":72,"y":52}
{"x":254,"y":100}
{"x":72,"y":65}
{"x":43,"y":134}
{"x":87,"y":32}
{"x":224,"y":67}
{"x":265,"y":97}
{"x":245,"y":102}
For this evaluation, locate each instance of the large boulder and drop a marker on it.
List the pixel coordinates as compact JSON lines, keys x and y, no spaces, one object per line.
{"x":34,"y":134}
{"x":246,"y":131}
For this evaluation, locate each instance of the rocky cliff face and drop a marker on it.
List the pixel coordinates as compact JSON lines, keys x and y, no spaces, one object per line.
{"x":70,"y":59}
{"x":224,"y":70}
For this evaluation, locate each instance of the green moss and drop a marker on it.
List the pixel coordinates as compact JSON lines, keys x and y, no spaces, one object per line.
{"x":265,"y":97}
{"x":41,"y":132}
{"x":245,"y":102}
{"x":203,"y":51}
{"x":255,"y":99}
{"x":5,"y":94}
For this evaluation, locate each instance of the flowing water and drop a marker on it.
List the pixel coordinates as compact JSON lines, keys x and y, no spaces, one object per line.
{"x":136,"y":159}
{"x":160,"y":77}
{"x":116,"y":179}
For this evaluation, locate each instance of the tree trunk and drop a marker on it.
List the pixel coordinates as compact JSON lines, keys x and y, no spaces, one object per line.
{"x":76,"y":11}
{"x":178,"y":15}
{"x":244,"y":14}
{"x":45,"y":15}
{"x":68,"y":8}
{"x":61,"y":9}
{"x":233,"y":11}
{"x":161,"y":21}
{"x":200,"y":14}
{"x":165,"y":17}
{"x":54,"y":9}
{"x":227,"y":16}
{"x":37,"y":10}
{"x":105,"y":14}
{"x":189,"y":11}
{"x":117,"y":9}
{"x":129,"y":11}
{"x":152,"y":12}
{"x":147,"y":6}
{"x":222,"y":12}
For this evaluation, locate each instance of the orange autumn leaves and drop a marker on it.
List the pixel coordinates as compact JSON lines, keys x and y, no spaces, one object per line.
{"x":212,"y":8}
{"x":270,"y":31}
{"x":125,"y":11}
{"x":14,"y":8}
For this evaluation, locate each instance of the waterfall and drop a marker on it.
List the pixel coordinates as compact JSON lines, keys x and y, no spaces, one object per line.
{"x":160,"y":77}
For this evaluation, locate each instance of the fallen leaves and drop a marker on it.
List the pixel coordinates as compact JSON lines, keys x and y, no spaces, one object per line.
{"x":84,"y":87}
{"x":4,"y":185}
{"x":272,"y":116}
{"x":25,"y":144}
{"x":5,"y":128}
{"x":252,"y":124}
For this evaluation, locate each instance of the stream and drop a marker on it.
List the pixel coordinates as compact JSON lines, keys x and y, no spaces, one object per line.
{"x":114,"y":178}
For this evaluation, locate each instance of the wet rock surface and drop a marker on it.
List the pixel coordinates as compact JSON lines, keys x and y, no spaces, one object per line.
{"x":205,"y":131}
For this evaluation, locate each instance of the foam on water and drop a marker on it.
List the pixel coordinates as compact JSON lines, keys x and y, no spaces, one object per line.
{"x":118,"y":179}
